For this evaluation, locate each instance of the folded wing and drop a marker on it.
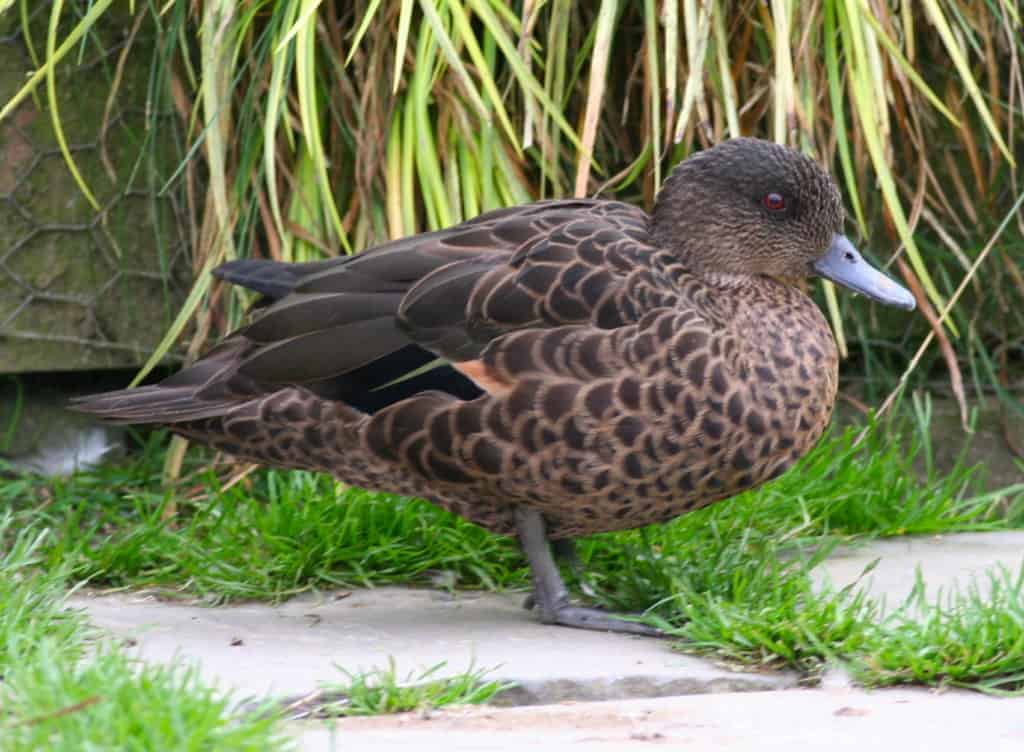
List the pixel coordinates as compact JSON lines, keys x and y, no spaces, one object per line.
{"x":372,"y":329}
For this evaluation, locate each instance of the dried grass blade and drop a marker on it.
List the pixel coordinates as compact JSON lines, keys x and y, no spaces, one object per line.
{"x":409,"y":224}
{"x":528,"y":82}
{"x":905,"y":65}
{"x":941,"y":25}
{"x":697,"y":36}
{"x":652,"y":83}
{"x":783,"y":85}
{"x":595,"y":91}
{"x":956,"y":379}
{"x":670,"y":19}
{"x":729,"y":98}
{"x":393,"y":180}
{"x":836,"y":316}
{"x":865,"y":102}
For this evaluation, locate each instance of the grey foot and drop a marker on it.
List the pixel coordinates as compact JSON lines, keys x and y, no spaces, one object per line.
{"x":592,"y":618}
{"x":549,"y":597}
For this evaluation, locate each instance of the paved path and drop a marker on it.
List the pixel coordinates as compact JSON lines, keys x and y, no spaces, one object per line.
{"x":292,"y":649}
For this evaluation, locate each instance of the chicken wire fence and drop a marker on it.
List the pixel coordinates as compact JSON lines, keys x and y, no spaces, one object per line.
{"x":82,"y":288}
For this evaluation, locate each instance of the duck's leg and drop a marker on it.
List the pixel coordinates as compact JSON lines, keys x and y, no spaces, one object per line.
{"x":564,"y":550}
{"x":550,"y":597}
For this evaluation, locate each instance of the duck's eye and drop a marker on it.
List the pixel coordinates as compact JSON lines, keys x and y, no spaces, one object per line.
{"x":774,"y":202}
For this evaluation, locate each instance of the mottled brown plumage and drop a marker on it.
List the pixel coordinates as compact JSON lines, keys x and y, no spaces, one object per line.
{"x":602,"y":368}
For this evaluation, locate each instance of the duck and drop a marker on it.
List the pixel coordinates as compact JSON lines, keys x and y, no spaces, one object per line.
{"x":551,"y":370}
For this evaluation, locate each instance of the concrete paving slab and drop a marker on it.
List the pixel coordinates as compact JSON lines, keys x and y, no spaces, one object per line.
{"x":782,"y":721}
{"x":289,"y":650}
{"x":946,"y":562}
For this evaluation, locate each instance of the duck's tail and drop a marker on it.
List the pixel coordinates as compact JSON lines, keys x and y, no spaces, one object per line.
{"x":331,"y":327}
{"x":205,"y":389}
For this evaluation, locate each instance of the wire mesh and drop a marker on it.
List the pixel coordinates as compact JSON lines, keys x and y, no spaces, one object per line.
{"x":80,"y":288}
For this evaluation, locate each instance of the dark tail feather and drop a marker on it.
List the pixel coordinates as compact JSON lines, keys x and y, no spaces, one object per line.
{"x":272,"y":279}
{"x":205,"y":389}
{"x":150,"y":404}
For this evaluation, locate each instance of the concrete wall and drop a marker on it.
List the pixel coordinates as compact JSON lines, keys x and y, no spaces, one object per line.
{"x":81,"y":289}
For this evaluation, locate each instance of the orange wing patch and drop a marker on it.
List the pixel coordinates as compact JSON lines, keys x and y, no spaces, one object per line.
{"x":483,"y":377}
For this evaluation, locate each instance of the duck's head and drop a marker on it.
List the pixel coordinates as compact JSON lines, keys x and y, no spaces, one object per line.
{"x":750,"y":208}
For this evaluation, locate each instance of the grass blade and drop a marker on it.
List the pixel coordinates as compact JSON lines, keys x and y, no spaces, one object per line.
{"x":51,"y":97}
{"x":94,"y":13}
{"x":401,"y":45}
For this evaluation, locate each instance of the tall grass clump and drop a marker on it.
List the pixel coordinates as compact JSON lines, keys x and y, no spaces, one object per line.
{"x":325,"y":127}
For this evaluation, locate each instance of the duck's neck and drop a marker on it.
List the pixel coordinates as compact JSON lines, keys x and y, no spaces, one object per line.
{"x":781,"y":328}
{"x":773,"y":319}
{"x":786,"y":366}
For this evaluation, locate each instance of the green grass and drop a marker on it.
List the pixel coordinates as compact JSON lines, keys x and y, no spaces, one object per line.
{"x":381,"y":691}
{"x":969,"y":638}
{"x":64,"y":687}
{"x":276,"y":536}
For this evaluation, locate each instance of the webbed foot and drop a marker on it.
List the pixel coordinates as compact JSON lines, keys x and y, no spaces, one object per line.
{"x":593,"y":618}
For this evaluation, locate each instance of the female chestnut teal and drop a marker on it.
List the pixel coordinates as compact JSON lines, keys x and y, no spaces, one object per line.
{"x":549,"y":370}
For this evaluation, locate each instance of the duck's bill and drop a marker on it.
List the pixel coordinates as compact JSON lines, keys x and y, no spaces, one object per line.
{"x":845,"y":266}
